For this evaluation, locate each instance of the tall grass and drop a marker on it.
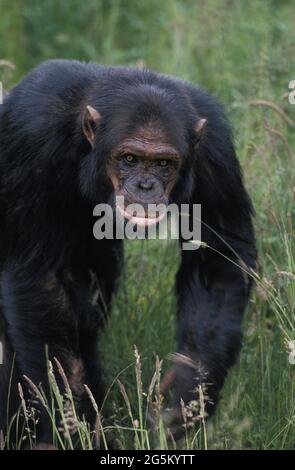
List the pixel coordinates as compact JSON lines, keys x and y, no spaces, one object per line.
{"x":242,"y":52}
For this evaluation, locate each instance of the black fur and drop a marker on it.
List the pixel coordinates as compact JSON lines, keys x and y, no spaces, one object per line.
{"x":50,"y":180}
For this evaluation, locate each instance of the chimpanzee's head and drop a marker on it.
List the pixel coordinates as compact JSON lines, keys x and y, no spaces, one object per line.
{"x":145,"y":141}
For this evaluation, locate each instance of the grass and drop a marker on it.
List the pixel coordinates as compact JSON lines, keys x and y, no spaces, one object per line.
{"x":243,"y":53}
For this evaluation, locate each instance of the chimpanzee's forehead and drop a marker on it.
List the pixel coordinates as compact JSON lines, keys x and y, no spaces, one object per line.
{"x":147,"y":140}
{"x":151,"y":132}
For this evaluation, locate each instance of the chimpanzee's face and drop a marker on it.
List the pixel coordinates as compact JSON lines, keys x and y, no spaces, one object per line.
{"x":143,"y":169}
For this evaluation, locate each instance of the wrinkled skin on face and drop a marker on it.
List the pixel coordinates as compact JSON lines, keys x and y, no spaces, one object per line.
{"x":143,"y":169}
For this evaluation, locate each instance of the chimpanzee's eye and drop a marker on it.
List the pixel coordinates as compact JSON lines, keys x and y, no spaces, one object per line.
{"x":163,"y":163}
{"x":130,"y":159}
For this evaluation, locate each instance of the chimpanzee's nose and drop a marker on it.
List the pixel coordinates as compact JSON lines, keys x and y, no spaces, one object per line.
{"x":146,"y":184}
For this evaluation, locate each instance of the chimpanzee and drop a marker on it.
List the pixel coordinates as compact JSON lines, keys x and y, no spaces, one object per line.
{"x":73,"y":135}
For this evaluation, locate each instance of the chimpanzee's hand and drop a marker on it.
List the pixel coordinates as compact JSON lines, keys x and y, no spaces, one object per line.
{"x":190,"y":401}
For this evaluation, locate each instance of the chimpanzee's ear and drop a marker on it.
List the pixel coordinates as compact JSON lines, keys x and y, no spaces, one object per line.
{"x":200,"y":126}
{"x":90,"y":121}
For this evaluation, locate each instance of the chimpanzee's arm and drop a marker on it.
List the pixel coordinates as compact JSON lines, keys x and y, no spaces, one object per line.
{"x":212,"y":295}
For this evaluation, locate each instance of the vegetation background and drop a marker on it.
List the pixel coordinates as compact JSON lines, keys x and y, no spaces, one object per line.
{"x":243,"y":52}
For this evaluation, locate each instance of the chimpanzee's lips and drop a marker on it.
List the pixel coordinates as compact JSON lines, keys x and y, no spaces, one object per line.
{"x":141,"y":221}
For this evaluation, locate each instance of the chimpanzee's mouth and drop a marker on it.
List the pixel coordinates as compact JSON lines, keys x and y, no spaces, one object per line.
{"x":146,"y":221}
